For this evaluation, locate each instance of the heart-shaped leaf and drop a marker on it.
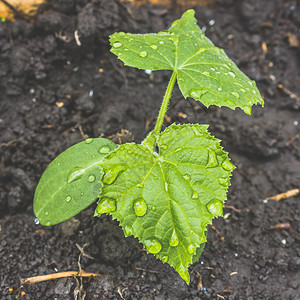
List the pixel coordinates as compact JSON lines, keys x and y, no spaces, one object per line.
{"x":167,"y":199}
{"x":204,"y":72}
{"x":71,"y":182}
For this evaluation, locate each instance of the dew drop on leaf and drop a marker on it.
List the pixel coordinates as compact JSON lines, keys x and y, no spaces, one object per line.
{"x":104,"y":149}
{"x":227,"y":165}
{"x":197,"y":94}
{"x":164,"y":258}
{"x":111,"y":175}
{"x":224,"y":181}
{"x":46,"y":213}
{"x":74,"y":174}
{"x":91,"y":178}
{"x":154,"y":47}
{"x":212,"y":159}
{"x":187,"y":177}
{"x":152,"y":245}
{"x":68,"y":198}
{"x":235,"y":94}
{"x":128,"y":230}
{"x":106,"y":205}
{"x":140,"y":207}
{"x":173,"y":241}
{"x":242,"y":90}
{"x":191,"y":248}
{"x":231,"y":74}
{"x":143,"y":54}
{"x":195,"y":195}
{"x":88,"y":141}
{"x":215,"y":207}
{"x":161,"y":42}
{"x":164,"y":147}
{"x":48,"y":223}
{"x":206,"y":73}
{"x":153,"y":208}
{"x":117,"y":45}
{"x":213,"y":69}
{"x":219,"y":89}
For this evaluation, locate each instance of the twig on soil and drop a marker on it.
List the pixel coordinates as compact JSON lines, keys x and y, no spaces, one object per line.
{"x":120,"y":293}
{"x":199,"y":283}
{"x":281,"y":226}
{"x":36,"y":279}
{"x":297,"y":136}
{"x":288,"y":92}
{"x":141,"y":269}
{"x":233,"y":208}
{"x":287,"y":194}
{"x":76,"y":37}
{"x":81,"y":249}
{"x":121,"y":72}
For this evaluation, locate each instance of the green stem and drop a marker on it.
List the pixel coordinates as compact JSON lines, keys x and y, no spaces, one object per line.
{"x":164,"y":105}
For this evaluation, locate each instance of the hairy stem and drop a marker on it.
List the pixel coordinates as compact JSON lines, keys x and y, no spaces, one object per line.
{"x":164,"y":105}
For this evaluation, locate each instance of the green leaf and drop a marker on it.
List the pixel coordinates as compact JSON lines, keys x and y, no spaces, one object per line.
{"x":71,"y":182}
{"x":204,"y":72}
{"x":167,"y":199}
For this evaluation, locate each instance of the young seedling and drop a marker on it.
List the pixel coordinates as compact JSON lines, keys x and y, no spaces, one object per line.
{"x":166,"y":190}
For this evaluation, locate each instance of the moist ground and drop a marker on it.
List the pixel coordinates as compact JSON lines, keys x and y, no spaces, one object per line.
{"x":55,"y":93}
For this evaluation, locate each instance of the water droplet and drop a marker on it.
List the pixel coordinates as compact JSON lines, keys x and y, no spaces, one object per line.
{"x":224,"y":181}
{"x":75,"y":174}
{"x":191,"y":248}
{"x":153,"y":208}
{"x":106,"y":205}
{"x":212,"y":159}
{"x":68,"y":198}
{"x":161,"y":42}
{"x":183,"y":272}
{"x":173,"y":241}
{"x":46,"y":213}
{"x":128,"y":230}
{"x":153,"y":245}
{"x":117,"y":45}
{"x":154,"y":47}
{"x":166,"y":186}
{"x":187,"y":177}
{"x":247,"y":109}
{"x":197,"y":94}
{"x":195,"y":195}
{"x":140,"y":207}
{"x":91,"y":178}
{"x":36,"y":221}
{"x":88,"y":141}
{"x":231,"y":74}
{"x":213,"y":69}
{"x":111,"y":175}
{"x":215,"y":207}
{"x":242,"y":90}
{"x":227,"y":165}
{"x":206,"y":73}
{"x":164,"y":147}
{"x":81,"y":194}
{"x":235,"y":94}
{"x":48,"y":223}
{"x":104,"y":149}
{"x":164,"y":258}
{"x":143,"y":54}
{"x":219,"y":89}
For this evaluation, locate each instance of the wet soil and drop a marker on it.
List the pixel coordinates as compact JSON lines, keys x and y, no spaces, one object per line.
{"x":55,"y":93}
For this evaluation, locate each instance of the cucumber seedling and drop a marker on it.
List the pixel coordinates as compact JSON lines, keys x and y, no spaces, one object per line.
{"x":166,"y":190}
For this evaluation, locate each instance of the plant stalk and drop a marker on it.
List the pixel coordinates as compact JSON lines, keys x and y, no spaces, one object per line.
{"x":164,"y":105}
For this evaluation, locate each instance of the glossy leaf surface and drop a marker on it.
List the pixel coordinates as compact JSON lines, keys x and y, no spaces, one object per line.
{"x":71,"y":182}
{"x":204,"y":72}
{"x":167,"y":199}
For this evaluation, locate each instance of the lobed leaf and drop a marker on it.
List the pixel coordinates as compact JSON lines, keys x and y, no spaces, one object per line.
{"x":204,"y":72}
{"x":167,"y":199}
{"x":71,"y":182}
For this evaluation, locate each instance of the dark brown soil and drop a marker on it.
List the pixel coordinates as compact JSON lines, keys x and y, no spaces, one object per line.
{"x":42,"y":68}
